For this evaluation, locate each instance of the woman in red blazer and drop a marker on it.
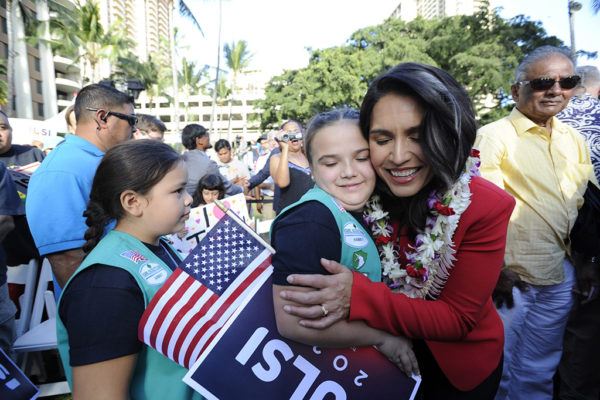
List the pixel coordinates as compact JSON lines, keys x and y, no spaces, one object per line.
{"x":441,"y":233}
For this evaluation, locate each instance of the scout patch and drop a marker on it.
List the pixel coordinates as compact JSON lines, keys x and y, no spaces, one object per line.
{"x":133,"y":256}
{"x":359,"y":258}
{"x":354,"y":236}
{"x":153,"y":273}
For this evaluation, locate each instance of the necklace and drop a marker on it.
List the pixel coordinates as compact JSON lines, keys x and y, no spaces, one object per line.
{"x":431,"y":257}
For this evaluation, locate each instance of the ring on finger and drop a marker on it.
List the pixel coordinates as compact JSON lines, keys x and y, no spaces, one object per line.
{"x":325,"y":312}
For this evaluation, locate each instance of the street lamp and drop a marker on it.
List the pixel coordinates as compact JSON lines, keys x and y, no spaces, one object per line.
{"x":574,"y":6}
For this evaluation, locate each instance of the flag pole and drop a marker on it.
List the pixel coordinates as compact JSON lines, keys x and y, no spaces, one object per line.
{"x":241,"y":222}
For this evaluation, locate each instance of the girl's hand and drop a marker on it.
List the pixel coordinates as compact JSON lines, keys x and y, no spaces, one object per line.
{"x":398,"y":350}
{"x":327,"y":303}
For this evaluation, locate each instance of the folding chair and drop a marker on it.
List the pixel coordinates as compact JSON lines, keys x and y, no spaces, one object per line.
{"x":41,"y":334}
{"x":25,"y":274}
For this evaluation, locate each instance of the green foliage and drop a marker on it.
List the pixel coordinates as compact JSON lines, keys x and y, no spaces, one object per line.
{"x":79,"y":34}
{"x":3,"y":83}
{"x":480,"y":51}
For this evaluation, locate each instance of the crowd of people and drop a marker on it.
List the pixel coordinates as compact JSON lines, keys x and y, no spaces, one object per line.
{"x":402,"y":225}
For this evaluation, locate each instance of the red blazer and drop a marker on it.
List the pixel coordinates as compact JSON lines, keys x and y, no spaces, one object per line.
{"x":461,"y":328}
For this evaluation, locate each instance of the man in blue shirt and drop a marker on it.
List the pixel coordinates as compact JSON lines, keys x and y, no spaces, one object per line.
{"x":10,"y":206}
{"x":59,"y":189}
{"x":579,"y":368}
{"x":583,"y":112}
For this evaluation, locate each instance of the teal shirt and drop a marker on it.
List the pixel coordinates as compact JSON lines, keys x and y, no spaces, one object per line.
{"x":155,"y":376}
{"x":359,"y":252}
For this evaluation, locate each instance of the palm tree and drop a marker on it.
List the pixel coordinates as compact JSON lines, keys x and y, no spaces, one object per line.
{"x":185,"y":11}
{"x":190,"y":78}
{"x":81,"y":35}
{"x":237,"y":57}
{"x":220,"y":92}
{"x":18,"y":65}
{"x":3,"y":84}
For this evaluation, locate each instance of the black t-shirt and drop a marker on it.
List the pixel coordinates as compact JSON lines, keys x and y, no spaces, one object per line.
{"x":301,"y":237}
{"x":19,"y":155}
{"x":10,"y":204}
{"x":101,"y":309}
{"x":300,"y":183}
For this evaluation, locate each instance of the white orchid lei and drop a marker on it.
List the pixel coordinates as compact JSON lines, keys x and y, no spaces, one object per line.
{"x":429,"y":264}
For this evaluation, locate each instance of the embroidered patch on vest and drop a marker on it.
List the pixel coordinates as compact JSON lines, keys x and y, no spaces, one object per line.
{"x":354,"y":236}
{"x":133,"y":256}
{"x":359,"y":259}
{"x":153,"y":273}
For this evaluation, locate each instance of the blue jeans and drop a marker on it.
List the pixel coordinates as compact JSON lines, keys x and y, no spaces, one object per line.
{"x":534,"y":330}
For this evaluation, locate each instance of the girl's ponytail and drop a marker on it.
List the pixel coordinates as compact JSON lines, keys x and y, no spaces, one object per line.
{"x":136,"y":165}
{"x":96,"y":219}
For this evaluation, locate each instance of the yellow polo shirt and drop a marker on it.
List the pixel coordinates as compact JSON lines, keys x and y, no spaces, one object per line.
{"x":547,"y":175}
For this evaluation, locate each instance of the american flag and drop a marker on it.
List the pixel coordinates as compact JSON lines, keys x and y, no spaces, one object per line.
{"x":204,"y":291}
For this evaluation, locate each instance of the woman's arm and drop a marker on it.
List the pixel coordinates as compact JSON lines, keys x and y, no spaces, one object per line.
{"x":107,"y":380}
{"x":450,"y":317}
{"x":278,"y":166}
{"x":344,"y":334}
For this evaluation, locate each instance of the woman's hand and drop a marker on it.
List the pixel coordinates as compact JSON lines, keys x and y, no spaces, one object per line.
{"x":398,"y":350}
{"x":327,"y":303}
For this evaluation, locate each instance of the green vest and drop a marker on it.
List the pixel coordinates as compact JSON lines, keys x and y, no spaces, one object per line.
{"x":155,"y":376}
{"x":359,"y":252}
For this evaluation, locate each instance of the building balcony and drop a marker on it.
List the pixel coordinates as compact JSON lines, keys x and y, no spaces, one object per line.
{"x":65,"y":65}
{"x":67,"y":85}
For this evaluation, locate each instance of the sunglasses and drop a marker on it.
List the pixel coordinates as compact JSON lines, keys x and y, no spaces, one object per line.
{"x":130,"y":118}
{"x":546,"y":83}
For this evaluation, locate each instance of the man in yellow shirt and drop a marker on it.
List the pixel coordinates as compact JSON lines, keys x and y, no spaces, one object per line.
{"x":545,"y":165}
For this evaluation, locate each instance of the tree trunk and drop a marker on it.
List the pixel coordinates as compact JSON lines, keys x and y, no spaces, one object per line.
{"x":46,"y":61}
{"x":22,"y":85}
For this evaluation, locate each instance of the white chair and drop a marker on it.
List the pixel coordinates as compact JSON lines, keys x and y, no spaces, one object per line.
{"x":25,"y":274}
{"x":41,"y":334}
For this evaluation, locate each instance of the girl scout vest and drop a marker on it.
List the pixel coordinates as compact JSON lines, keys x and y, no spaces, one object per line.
{"x":359,"y":252}
{"x":155,"y":376}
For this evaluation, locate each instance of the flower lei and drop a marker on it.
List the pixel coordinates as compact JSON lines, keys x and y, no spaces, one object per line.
{"x":433,"y":252}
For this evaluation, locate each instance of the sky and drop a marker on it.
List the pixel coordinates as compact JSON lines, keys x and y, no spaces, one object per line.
{"x":278,"y":32}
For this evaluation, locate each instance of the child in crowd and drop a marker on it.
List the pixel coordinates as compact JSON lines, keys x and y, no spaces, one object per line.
{"x":210,"y":188}
{"x":102,"y":303}
{"x":327,"y":223}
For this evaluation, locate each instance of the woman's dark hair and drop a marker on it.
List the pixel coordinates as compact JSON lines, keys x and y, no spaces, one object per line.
{"x":447,"y":132}
{"x":208,"y":182}
{"x":292,"y":121}
{"x":135,"y":165}
{"x":222,"y":144}
{"x":323,"y":120}
{"x":190,"y":133}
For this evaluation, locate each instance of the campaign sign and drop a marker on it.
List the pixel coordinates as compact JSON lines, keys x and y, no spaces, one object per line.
{"x":202,"y":219}
{"x":251,"y":360}
{"x":14,"y":385}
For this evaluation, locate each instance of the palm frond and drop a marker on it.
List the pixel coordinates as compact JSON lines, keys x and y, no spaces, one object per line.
{"x":186,"y":12}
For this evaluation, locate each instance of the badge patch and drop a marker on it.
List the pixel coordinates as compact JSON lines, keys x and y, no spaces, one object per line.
{"x":359,"y":258}
{"x":133,"y":256}
{"x":354,"y":236}
{"x":153,"y":273}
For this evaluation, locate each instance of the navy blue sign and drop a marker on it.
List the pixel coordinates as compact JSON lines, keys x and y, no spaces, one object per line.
{"x":14,"y":385}
{"x":251,"y":360}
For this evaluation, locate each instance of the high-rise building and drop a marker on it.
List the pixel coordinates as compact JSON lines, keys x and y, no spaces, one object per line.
{"x":407,"y":10}
{"x":41,"y":83}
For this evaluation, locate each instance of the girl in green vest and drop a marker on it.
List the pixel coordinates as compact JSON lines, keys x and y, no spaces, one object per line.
{"x":327,"y":223}
{"x":140,"y":185}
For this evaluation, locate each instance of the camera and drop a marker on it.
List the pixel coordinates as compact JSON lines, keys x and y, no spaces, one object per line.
{"x":291,"y":136}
